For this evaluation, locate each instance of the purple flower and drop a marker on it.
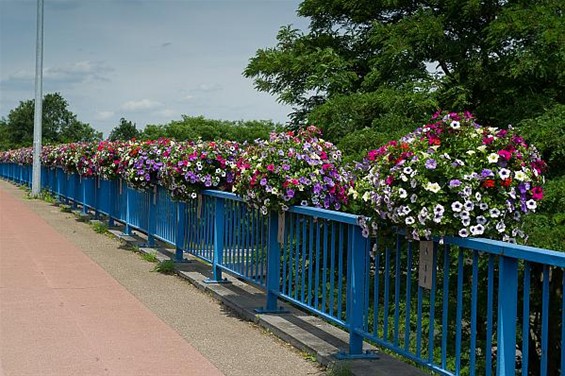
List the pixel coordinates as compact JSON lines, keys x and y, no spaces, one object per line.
{"x":290,"y":193}
{"x":263,"y":182}
{"x":431,"y":164}
{"x":454,"y":183}
{"x":486,"y":173}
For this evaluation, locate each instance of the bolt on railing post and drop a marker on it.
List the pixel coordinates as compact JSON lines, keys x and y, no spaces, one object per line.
{"x":181,"y":230}
{"x":219,"y":218}
{"x":507,"y":316}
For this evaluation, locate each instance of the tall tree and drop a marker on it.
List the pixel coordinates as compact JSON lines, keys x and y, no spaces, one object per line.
{"x":59,"y":124}
{"x":126,"y":130}
{"x":385,"y":64}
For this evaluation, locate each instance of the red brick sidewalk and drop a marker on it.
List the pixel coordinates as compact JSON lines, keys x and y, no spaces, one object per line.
{"x":61,"y":314}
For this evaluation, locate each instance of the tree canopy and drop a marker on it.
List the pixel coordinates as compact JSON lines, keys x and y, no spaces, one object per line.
{"x":388,"y":64}
{"x":59,"y":124}
{"x":126,"y":130}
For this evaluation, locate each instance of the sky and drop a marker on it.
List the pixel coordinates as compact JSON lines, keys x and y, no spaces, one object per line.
{"x":149,"y":61}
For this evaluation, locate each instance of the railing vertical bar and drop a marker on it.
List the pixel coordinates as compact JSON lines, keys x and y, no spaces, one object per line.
{"x":397,"y":288}
{"x":408,"y":298}
{"x":332,"y":270}
{"x":431,"y":336}
{"x":248,"y":224}
{"x":386,"y":293}
{"x":419,"y":323}
{"x":291,"y":239}
{"x":310,"y":259}
{"x":340,"y":272}
{"x":251,"y":251}
{"x":459,"y":314}
{"x":303,"y":264}
{"x":376,"y":286}
{"x":526,"y":318}
{"x":296,"y":257}
{"x":285,"y":253}
{"x":563,"y":323}
{"x":325,"y":267}
{"x":545,"y":320}
{"x":317,"y":271}
{"x":474,"y":283}
{"x":490,"y":313}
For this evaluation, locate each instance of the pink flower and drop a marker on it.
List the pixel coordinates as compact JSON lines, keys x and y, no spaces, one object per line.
{"x":271,"y":167}
{"x":505,"y":154}
{"x":537,"y":193}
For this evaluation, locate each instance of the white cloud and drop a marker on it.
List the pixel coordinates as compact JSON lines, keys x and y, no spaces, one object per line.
{"x":78,"y":72}
{"x":104,"y":115}
{"x":140,"y":105}
{"x":208,"y":88}
{"x":166,"y":113}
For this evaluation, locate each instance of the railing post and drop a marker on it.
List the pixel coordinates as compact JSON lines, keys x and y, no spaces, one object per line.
{"x":358,"y":282}
{"x":83,"y":186}
{"x":127,"y":228}
{"x":507,"y":316}
{"x":219,"y":218}
{"x":75,"y":191}
{"x":111,"y":201}
{"x":273,"y":266}
{"x":96,"y":197}
{"x":181,"y":224}
{"x":152,"y":220}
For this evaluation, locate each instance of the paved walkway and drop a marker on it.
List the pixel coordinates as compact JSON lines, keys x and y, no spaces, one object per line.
{"x":62,"y":314}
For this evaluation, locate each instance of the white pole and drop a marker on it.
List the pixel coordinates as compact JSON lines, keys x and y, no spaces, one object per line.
{"x":38,"y":114}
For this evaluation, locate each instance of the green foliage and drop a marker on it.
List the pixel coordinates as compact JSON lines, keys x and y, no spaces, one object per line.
{"x":361,"y":61}
{"x":546,"y":228}
{"x":192,"y":128}
{"x":150,"y":257}
{"x":339,"y":369}
{"x":100,"y":227}
{"x":547,"y":133}
{"x":165,"y":267}
{"x":59,"y":125}
{"x":124,"y":131}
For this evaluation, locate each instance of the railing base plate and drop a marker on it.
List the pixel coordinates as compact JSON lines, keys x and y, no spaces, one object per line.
{"x":368,"y":354}
{"x":210,"y":281}
{"x":263,"y":310}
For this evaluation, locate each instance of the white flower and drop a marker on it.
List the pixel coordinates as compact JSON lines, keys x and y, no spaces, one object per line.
{"x":483,"y":206}
{"x":366,"y":196}
{"x":405,"y":210}
{"x":466,"y":222}
{"x":402,"y":193}
{"x":520,"y":175}
{"x":413,"y":198}
{"x":455,"y":125}
{"x":456,"y":206}
{"x":493,"y":158}
{"x":468,"y":205}
{"x":500,"y":226}
{"x":482,"y":148}
{"x":407,"y":170}
{"x":432,"y":187}
{"x":403,"y":177}
{"x":477,"y":230}
{"x":470,"y":152}
{"x":478,"y":196}
{"x":413,"y":183}
{"x":531,"y":204}
{"x":504,"y":173}
{"x":463,"y":233}
{"x":464,"y":214}
{"x":439,"y":209}
{"x":481,"y":220}
{"x":409,"y":220}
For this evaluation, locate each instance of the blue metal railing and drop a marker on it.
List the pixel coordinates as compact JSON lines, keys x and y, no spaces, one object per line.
{"x":473,"y":306}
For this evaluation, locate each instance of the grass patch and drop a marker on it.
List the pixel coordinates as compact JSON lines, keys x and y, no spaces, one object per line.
{"x":340,"y":369}
{"x":165,"y":267}
{"x":100,"y":227}
{"x":151,"y":257}
{"x":44,"y":195}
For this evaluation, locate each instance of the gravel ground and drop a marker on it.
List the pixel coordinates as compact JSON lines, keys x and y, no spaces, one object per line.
{"x":235,"y":346}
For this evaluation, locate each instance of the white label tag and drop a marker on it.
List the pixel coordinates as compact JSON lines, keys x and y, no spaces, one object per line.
{"x":426,"y":264}
{"x":280,"y":235}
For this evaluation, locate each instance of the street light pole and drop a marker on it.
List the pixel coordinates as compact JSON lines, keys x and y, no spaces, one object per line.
{"x":38,"y":113}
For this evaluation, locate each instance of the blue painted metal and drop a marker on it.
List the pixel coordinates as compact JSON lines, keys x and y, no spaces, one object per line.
{"x":181,"y":232}
{"x":218,"y":243}
{"x":507,"y":316}
{"x":315,"y":271}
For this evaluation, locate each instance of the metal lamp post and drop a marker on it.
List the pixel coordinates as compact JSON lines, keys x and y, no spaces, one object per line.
{"x":38,"y":113}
